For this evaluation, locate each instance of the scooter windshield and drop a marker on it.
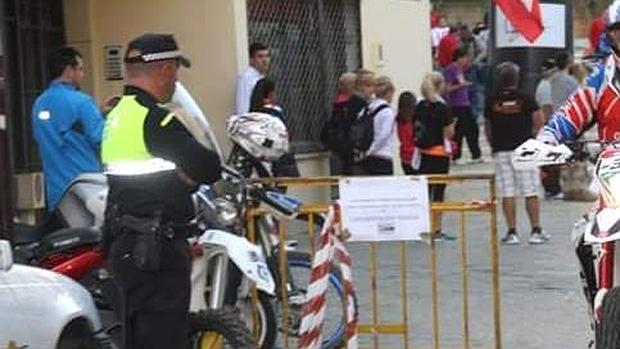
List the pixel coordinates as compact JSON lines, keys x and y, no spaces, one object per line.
{"x":190,"y":114}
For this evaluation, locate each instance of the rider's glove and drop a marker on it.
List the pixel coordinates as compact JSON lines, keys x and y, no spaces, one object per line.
{"x":547,"y":137}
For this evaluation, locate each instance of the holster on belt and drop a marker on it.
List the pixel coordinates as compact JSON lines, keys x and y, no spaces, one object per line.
{"x":148,"y":233}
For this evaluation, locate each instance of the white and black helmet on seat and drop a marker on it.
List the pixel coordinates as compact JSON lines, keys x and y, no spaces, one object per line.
{"x":263,"y":136}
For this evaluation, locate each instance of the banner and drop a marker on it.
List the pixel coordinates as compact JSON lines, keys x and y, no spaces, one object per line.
{"x":552,"y":36}
{"x":524,"y":16}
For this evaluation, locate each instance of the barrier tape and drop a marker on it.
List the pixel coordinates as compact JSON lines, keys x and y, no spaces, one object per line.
{"x":329,"y":248}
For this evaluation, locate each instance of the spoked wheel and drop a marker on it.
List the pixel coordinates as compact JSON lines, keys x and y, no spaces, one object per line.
{"x":300,"y":266}
{"x":220,"y":328}
{"x":266,"y":330}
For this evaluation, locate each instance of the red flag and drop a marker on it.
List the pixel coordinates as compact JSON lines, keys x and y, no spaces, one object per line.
{"x":527,"y":22}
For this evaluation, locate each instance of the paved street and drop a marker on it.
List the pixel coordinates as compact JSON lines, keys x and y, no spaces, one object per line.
{"x":542,"y":304}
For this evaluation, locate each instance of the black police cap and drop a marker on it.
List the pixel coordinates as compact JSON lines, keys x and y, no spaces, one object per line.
{"x":153,"y":47}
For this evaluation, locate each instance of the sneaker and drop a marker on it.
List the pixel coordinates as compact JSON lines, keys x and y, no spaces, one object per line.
{"x":479,"y":160}
{"x":511,"y":239}
{"x":554,"y":196}
{"x":441,"y":236}
{"x":538,"y":237}
{"x":437,"y":236}
{"x":460,"y":162}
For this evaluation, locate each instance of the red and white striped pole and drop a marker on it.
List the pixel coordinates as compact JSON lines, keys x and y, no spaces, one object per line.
{"x":329,"y":246}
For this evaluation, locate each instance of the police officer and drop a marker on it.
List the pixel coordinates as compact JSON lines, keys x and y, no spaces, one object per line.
{"x":153,"y":164}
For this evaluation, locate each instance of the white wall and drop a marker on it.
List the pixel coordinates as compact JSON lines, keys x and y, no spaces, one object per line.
{"x":396,"y":40}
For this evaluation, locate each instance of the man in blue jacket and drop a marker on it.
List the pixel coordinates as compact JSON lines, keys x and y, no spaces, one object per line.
{"x":67,"y":125}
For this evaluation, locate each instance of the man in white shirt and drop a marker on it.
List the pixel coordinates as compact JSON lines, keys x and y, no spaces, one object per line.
{"x":438,"y":32}
{"x":259,"y":65}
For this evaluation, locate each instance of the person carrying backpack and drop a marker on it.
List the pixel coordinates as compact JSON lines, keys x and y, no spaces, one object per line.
{"x":433,"y":129}
{"x":335,"y":133}
{"x":371,"y":133}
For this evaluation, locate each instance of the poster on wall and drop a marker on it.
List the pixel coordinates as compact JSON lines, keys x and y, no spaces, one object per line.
{"x":554,"y":35}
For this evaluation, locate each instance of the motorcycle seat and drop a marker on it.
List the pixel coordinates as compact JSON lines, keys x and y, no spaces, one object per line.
{"x":25,"y":234}
{"x":66,"y":239}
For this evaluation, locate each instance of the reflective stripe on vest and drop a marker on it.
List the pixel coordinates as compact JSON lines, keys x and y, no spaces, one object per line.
{"x":132,"y":168}
{"x":123,"y":148}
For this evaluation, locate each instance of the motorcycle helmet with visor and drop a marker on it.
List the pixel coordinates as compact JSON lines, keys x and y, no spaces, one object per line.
{"x":611,"y":18}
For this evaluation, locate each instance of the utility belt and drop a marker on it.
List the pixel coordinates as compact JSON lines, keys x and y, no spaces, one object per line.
{"x":149,"y":232}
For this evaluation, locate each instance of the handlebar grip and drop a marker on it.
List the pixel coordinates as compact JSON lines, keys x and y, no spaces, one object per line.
{"x":281,"y":203}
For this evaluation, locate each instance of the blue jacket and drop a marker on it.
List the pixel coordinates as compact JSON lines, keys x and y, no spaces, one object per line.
{"x":67,"y":125}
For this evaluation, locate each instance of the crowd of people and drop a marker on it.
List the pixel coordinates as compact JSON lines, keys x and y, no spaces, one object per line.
{"x":453,"y":101}
{"x":431,"y":125}
{"x":360,"y":131}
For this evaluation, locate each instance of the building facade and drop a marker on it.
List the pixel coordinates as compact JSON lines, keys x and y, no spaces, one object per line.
{"x":312,"y":41}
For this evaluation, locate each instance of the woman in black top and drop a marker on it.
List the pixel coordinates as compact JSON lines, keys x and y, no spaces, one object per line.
{"x":433,"y":128}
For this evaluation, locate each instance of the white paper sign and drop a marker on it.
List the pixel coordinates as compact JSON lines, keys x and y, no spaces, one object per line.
{"x":554,"y":35}
{"x":385,"y":208}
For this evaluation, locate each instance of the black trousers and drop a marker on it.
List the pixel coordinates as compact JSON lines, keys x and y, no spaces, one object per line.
{"x":466,"y":127}
{"x":154,"y":304}
{"x":430,"y":164}
{"x":374,"y":166}
{"x":340,"y":165}
{"x":408,"y":170}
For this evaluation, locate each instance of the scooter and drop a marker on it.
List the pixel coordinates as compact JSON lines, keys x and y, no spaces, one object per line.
{"x":595,"y":235}
{"x":79,"y":255}
{"x":69,"y":241}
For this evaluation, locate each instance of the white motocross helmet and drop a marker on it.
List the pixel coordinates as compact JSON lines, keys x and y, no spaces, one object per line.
{"x":612,"y":15}
{"x":263,"y":136}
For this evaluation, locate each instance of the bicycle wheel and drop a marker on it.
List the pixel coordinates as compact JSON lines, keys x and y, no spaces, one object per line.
{"x":300,"y":266}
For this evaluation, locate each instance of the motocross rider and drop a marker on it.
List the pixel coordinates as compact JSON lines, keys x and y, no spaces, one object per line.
{"x":597,"y":102}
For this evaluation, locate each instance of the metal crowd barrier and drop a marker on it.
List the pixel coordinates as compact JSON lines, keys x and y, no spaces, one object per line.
{"x":376,"y":328}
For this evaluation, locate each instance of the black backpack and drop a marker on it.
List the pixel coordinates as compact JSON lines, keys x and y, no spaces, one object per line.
{"x":363,"y":128}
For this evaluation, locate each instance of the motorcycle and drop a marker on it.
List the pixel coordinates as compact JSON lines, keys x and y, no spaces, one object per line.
{"x":213,"y":253}
{"x":299,"y":263}
{"x":595,"y":235}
